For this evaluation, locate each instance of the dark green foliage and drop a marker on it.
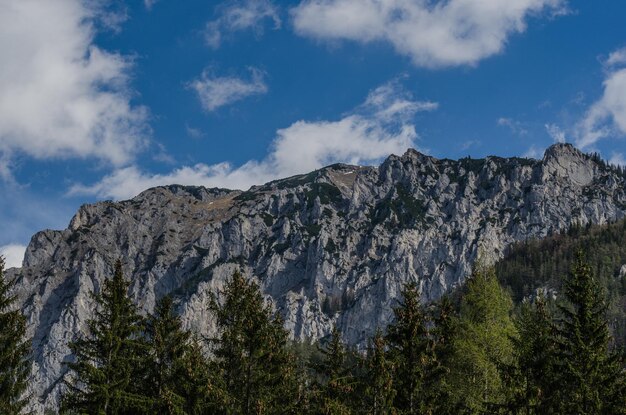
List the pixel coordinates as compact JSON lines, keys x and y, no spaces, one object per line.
{"x":412,"y":352}
{"x":14,"y":351}
{"x":543,"y":263}
{"x":334,"y":381}
{"x":377,"y":379}
{"x":107,"y":371}
{"x":177,"y":371}
{"x":532,"y":379}
{"x":251,"y":352}
{"x":591,"y":380}
{"x":443,"y":333}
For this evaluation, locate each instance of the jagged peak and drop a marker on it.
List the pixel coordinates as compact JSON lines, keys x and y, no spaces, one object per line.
{"x":560,"y":150}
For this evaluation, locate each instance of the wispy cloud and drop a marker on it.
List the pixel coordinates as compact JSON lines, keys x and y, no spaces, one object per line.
{"x":432,"y":34}
{"x":61,"y":96}
{"x":239,"y":16}
{"x":149,"y":3}
{"x":556,"y":133}
{"x":218,"y":91}
{"x":617,"y":159}
{"x":380,"y":126}
{"x":516,"y":127}
{"x":194,"y":133}
{"x":606,"y":117}
{"x":533,"y":152}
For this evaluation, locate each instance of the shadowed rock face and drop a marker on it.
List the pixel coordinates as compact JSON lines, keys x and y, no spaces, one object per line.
{"x":330,"y":247}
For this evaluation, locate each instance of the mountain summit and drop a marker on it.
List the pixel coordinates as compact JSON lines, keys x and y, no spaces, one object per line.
{"x":330,"y":247}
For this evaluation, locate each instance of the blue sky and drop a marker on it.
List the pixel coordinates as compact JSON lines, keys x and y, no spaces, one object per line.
{"x":101,"y":99}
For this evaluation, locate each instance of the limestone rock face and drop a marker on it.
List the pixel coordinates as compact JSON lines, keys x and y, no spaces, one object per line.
{"x":330,"y":247}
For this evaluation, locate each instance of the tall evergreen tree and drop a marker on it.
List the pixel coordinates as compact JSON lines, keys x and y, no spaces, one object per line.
{"x":411,"y":351}
{"x":443,"y":333}
{"x":14,"y":351}
{"x":483,"y":343}
{"x":592,"y":379}
{"x":168,"y":344}
{"x":107,"y":373}
{"x":377,"y":378}
{"x":334,"y":386}
{"x":251,"y":352}
{"x":531,"y":379}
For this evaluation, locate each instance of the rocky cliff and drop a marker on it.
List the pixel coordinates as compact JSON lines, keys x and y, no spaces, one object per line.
{"x":330,"y":247}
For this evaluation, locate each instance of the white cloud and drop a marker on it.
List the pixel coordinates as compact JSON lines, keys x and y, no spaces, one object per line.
{"x":516,"y":127}
{"x":617,"y":159}
{"x":617,"y":57}
{"x":60,"y":95}
{"x":149,"y":3}
{"x":194,"y":133}
{"x":432,"y":33}
{"x":218,"y":91}
{"x":556,"y":132}
{"x":607,"y":116}
{"x":379,"y":127}
{"x":13,"y":255}
{"x":532,"y":153}
{"x":238,"y":16}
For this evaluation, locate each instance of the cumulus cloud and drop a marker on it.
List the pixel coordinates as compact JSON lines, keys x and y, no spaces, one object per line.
{"x":62,"y":96}
{"x":432,"y":33}
{"x":239,"y":16}
{"x":13,"y":255}
{"x":218,"y":91}
{"x":607,"y":116}
{"x":380,"y":126}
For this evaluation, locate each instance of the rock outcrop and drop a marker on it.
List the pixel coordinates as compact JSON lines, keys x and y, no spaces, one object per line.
{"x":330,"y":247}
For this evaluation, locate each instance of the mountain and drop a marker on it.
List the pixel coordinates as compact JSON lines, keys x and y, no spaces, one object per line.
{"x":330,"y":247}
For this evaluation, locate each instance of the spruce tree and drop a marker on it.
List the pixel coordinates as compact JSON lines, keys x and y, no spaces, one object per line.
{"x":443,"y":333}
{"x":531,"y":384}
{"x":379,"y":392}
{"x":334,"y":380}
{"x":591,"y":378}
{"x":411,"y":351}
{"x":483,"y":344}
{"x":167,"y":345}
{"x":14,"y":351}
{"x":107,"y":371}
{"x":251,"y":352}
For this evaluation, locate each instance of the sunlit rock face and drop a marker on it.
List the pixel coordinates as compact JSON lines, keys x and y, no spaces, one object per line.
{"x":330,"y":247}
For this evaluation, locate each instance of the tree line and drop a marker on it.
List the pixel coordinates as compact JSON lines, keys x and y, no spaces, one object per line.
{"x":465,"y":354}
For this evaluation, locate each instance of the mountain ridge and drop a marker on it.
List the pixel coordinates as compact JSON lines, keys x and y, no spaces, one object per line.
{"x":333,"y":246}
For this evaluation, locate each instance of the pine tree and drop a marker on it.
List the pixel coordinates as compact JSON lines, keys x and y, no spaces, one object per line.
{"x":168,"y":344}
{"x":107,"y":373}
{"x":483,"y":344}
{"x":379,"y":392}
{"x":592,"y":379}
{"x":411,"y":351}
{"x":14,"y":351}
{"x":334,"y":386}
{"x":251,"y":352}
